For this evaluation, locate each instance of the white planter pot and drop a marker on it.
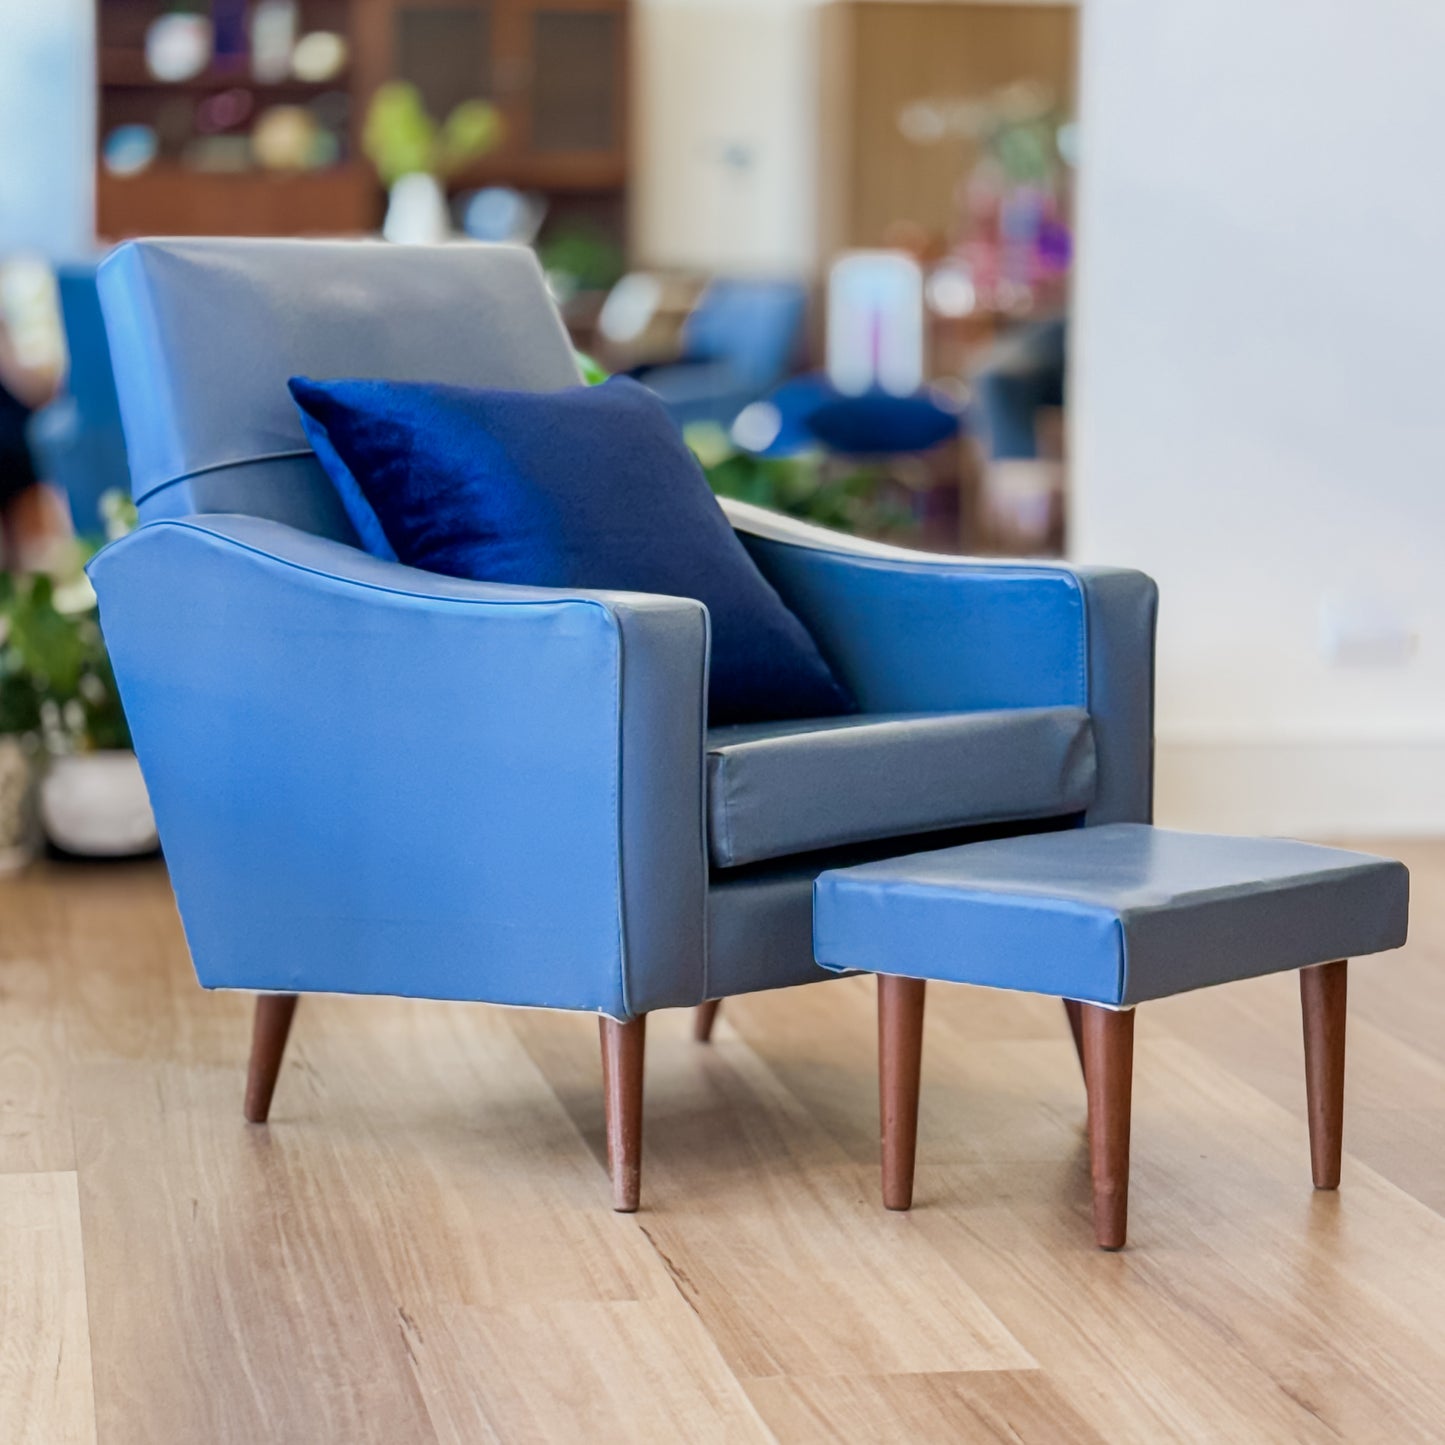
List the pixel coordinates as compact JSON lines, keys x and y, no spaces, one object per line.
{"x":95,"y":805}
{"x":417,"y":213}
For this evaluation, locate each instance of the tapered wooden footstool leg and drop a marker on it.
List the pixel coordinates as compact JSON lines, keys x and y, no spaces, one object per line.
{"x":1322,"y":1001}
{"x":274,"y":1012}
{"x":1075,"y":1011}
{"x":1109,"y":1079}
{"x":623,"y":1046}
{"x":703,"y":1018}
{"x":900,"y":1062}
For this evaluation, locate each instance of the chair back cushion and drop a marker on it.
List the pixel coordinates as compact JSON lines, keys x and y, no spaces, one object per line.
{"x":588,"y":487}
{"x":753,"y":324}
{"x":205,"y":333}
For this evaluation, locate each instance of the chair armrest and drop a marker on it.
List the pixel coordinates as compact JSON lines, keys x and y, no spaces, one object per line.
{"x":372,"y":779}
{"x":918,"y":632}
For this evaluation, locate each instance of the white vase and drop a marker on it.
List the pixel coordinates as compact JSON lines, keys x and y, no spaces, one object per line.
{"x":96,"y":806}
{"x":417,"y":213}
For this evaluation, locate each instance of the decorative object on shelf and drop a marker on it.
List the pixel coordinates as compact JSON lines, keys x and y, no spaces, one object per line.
{"x":413,"y":156}
{"x":319,"y":57}
{"x":59,"y":709}
{"x":218,"y":154}
{"x":130,"y":149}
{"x":273,"y":39}
{"x":284,"y":138}
{"x":325,"y":149}
{"x":224,"y":111}
{"x":228,"y":24}
{"x":499,"y":213}
{"x":178,"y":46}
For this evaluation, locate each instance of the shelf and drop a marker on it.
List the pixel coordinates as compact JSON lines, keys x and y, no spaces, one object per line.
{"x":559,"y":72}
{"x":174,"y":200}
{"x":126,"y":70}
{"x":178,"y":170}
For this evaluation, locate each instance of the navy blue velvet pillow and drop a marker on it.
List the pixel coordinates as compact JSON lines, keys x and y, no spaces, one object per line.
{"x":588,"y":487}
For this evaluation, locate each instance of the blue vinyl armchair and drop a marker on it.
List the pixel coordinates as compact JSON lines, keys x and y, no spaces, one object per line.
{"x":370,"y":779}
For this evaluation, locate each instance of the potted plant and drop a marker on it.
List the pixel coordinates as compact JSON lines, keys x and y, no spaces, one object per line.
{"x":414,"y":157}
{"x":20,"y":705}
{"x":60,"y":711}
{"x":860,"y":499}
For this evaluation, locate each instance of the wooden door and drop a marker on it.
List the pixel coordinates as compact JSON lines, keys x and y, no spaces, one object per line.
{"x":884,"y":57}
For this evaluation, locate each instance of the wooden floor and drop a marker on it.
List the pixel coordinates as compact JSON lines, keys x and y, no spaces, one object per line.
{"x":418,"y":1248}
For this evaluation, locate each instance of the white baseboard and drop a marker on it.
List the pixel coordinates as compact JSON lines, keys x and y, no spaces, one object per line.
{"x":1310,"y":789}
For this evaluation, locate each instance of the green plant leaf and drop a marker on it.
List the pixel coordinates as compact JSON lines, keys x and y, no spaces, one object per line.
{"x":859,"y":501}
{"x":471,"y":130}
{"x":593,"y":374}
{"x":399,"y":137}
{"x":583,"y":252}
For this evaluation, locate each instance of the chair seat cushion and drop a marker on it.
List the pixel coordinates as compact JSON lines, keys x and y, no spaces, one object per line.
{"x":777,"y":789}
{"x":587,"y":487}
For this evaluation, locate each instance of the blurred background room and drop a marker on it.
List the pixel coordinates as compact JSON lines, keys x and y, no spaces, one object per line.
{"x":1000,"y":278}
{"x":835,"y":239}
{"x":840,"y":240}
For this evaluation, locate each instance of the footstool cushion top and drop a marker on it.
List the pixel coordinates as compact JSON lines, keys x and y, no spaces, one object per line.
{"x":1112,"y":915}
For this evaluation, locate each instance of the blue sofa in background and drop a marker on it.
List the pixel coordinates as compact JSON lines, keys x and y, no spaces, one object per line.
{"x":372,"y":779}
{"x":740,"y":340}
{"x":77,"y":440}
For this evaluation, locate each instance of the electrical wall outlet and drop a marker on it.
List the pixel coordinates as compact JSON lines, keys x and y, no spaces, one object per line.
{"x":1360,"y":629}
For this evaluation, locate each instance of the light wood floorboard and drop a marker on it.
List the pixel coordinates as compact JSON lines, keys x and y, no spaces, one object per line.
{"x":418,"y":1247}
{"x":45,"y":1383}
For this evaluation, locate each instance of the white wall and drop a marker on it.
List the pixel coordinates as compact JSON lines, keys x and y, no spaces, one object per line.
{"x":1259,"y":393}
{"x":725,"y":121}
{"x":47,"y":127}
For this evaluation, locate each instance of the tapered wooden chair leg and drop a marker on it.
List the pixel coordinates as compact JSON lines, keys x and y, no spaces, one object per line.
{"x":1322,"y":1002}
{"x":274,"y":1012}
{"x":900,"y":1062}
{"x":703,"y":1018}
{"x":623,"y":1046}
{"x":1109,"y":1079}
{"x":1075,"y":1011}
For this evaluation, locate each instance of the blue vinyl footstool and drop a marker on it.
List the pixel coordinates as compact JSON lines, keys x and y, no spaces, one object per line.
{"x":1106,"y":918}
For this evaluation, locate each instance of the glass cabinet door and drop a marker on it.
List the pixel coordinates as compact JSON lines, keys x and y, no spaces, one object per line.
{"x":577,"y":73}
{"x":446,"y":51}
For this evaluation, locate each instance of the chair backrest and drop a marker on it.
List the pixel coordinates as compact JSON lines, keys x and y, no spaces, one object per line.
{"x":755,"y":325}
{"x":205,"y":333}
